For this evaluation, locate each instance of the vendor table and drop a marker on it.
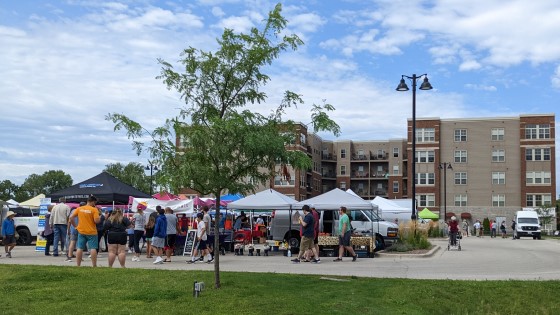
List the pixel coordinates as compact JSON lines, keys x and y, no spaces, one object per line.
{"x":354,"y":241}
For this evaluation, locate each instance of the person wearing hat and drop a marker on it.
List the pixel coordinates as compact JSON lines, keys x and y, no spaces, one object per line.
{"x":453,"y":230}
{"x":8,"y":233}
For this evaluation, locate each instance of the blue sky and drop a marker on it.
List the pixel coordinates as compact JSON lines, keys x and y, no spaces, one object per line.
{"x":66,"y":64}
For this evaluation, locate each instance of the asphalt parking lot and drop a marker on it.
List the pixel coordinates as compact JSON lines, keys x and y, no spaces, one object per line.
{"x":480,"y":259}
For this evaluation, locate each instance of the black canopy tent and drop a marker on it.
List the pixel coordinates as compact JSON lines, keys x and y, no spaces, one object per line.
{"x":104,"y":186}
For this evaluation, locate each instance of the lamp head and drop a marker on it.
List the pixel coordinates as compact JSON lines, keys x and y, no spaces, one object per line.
{"x":425,"y":85}
{"x":402,"y":86}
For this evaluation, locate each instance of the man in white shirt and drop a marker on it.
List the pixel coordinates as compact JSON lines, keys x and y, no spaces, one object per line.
{"x":59,"y":222}
{"x":201,"y":238}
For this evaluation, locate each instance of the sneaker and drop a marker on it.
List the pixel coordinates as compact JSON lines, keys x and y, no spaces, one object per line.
{"x":337,"y":260}
{"x":316,"y":261}
{"x":158,"y":260}
{"x":296,"y":261}
{"x":89,"y":256}
{"x":68,"y":259}
{"x":210,"y":261}
{"x":130,"y":251}
{"x":191,"y":261}
{"x":9,"y":255}
{"x":355,"y":257}
{"x":201,"y":258}
{"x":134,"y":258}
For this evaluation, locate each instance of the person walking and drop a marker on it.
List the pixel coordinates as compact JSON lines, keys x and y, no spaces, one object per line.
{"x":9,"y":233}
{"x":201,"y":238}
{"x":493,"y":227}
{"x":513,"y":229}
{"x":476,"y":227}
{"x":59,"y":221}
{"x":160,"y":232}
{"x":316,"y":219}
{"x":171,"y":237}
{"x":139,"y":221}
{"x":465,"y":228}
{"x":116,"y":226}
{"x":88,"y":217}
{"x":48,"y":233}
{"x":209,"y":231}
{"x":503,"y":229}
{"x":345,"y":233}
{"x":453,"y":230}
{"x":149,"y":235}
{"x":308,"y":234}
{"x":72,"y":235}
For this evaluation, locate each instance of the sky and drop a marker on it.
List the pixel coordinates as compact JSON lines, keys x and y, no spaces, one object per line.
{"x":66,"y":64}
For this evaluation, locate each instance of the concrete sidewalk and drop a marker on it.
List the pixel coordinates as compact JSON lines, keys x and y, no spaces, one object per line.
{"x":480,"y":259}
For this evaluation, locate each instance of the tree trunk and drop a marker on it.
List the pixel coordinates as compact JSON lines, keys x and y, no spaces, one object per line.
{"x":217,"y":283}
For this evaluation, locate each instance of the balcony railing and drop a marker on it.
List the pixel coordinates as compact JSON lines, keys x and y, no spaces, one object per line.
{"x":329,"y":174}
{"x":328,"y":157}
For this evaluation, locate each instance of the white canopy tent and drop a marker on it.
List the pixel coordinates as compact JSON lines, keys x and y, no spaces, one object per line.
{"x":335,"y":199}
{"x":268,"y":199}
{"x":178,"y":206}
{"x":34,"y":202}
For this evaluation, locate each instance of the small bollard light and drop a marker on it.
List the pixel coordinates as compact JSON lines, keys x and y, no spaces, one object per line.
{"x":197,"y":288}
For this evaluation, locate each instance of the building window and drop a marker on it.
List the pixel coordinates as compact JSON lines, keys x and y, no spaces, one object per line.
{"x":537,"y":200}
{"x":498,"y":134}
{"x":280,"y":180}
{"x":342,"y":153}
{"x":302,"y":139}
{"x":460,"y":200}
{"x":395,"y":187}
{"x":425,"y":179}
{"x":460,"y":135}
{"x":498,"y":178}
{"x":498,"y":155}
{"x":426,"y":200}
{"x":425,"y":134}
{"x":498,"y":200}
{"x":395,"y":170}
{"x":460,"y":178}
{"x":395,"y":152}
{"x":343,"y":185}
{"x":342,"y":169}
{"x":537,"y":154}
{"x":425,"y":156}
{"x":533,"y":131}
{"x":538,"y":178}
{"x":460,"y":156}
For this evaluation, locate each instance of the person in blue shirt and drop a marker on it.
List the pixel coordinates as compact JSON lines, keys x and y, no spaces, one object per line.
{"x":8,"y":233}
{"x":160,"y":233}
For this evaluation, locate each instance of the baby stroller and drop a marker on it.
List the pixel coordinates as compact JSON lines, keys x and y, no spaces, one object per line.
{"x":454,"y":241}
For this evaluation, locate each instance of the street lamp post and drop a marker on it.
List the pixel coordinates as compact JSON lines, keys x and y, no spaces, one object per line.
{"x":445,"y":166}
{"x":402,"y":88}
{"x":151,"y":167}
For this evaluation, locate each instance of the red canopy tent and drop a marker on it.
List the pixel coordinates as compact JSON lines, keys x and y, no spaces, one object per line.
{"x":165,"y":196}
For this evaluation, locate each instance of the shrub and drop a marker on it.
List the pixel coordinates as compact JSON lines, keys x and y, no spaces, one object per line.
{"x":412,"y":236}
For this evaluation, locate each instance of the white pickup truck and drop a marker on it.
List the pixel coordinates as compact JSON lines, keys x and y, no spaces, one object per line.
{"x":26,"y":222}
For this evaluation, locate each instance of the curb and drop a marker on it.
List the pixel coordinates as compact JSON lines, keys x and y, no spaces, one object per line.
{"x":383,"y":253}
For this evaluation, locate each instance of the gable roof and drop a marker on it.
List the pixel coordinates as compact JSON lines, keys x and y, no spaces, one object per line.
{"x":104,"y":186}
{"x":334,"y":199}
{"x":268,"y":199}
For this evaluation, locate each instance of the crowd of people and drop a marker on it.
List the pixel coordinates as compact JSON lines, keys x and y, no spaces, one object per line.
{"x":83,"y":228}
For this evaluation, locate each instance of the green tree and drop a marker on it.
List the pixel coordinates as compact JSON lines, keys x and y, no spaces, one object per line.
{"x":8,"y":190}
{"x":47,"y":183}
{"x":223,"y":147}
{"x":546,"y":214}
{"x":132,"y":174}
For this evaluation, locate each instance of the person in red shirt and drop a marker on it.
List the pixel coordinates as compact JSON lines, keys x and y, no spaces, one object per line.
{"x":453,"y":230}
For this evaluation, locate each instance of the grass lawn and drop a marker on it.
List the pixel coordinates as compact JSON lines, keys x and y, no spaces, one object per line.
{"x":71,"y":290}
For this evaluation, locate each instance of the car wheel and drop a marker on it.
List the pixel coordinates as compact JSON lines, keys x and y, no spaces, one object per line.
{"x":25,"y":237}
{"x":379,"y":243}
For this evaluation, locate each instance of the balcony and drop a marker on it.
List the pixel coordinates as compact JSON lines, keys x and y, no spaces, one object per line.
{"x":360,"y":157}
{"x":328,"y":157}
{"x":360,"y":174}
{"x":329,"y":174}
{"x":380,"y":156}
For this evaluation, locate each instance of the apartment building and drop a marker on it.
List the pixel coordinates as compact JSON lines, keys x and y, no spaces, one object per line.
{"x":491,"y":167}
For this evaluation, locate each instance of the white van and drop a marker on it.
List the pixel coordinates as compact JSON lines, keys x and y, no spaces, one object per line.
{"x":527,"y":224}
{"x":363,"y":221}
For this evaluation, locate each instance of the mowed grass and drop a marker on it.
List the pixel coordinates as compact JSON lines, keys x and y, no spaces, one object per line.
{"x":70,"y":290}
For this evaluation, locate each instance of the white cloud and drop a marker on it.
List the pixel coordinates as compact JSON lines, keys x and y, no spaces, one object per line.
{"x":480,"y":87}
{"x":555,"y":79}
{"x":469,"y":65}
{"x":218,"y":12}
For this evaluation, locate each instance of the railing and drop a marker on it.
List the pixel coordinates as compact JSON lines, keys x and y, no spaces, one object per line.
{"x":329,"y":174}
{"x":328,"y":157}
